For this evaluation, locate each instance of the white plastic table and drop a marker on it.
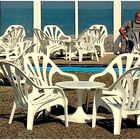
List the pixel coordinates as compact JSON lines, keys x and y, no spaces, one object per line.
{"x":79,"y":115}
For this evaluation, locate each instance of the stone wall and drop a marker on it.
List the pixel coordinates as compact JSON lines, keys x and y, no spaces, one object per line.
{"x":109,"y":43}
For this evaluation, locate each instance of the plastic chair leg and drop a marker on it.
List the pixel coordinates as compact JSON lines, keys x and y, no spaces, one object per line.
{"x":66,"y":113}
{"x":138,"y":120}
{"x":30,"y":118}
{"x":12,"y":113}
{"x":117,"y":122}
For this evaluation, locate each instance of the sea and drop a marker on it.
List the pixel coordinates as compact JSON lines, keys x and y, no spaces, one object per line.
{"x":64,"y":17}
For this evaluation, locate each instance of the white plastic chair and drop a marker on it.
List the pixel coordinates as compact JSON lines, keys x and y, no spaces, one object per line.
{"x":43,"y":94}
{"x":16,"y":56}
{"x":115,"y":69}
{"x":21,"y":49}
{"x":33,"y":60}
{"x":103,"y":35}
{"x":10,"y":28}
{"x":34,"y":101}
{"x":57,"y":36}
{"x":14,"y":33}
{"x":46,"y":46}
{"x":11,"y":39}
{"x":85,"y":43}
{"x":128,"y":86}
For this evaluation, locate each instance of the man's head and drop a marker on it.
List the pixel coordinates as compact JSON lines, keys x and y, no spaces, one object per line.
{"x":137,"y":17}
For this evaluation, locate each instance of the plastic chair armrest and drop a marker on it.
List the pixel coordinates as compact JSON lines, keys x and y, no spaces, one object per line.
{"x":92,"y":78}
{"x":73,"y":76}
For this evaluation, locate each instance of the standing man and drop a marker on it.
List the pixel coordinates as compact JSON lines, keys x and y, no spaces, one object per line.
{"x":124,"y":29}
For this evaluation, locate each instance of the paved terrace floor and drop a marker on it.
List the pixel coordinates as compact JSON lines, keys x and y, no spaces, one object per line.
{"x":87,"y":60}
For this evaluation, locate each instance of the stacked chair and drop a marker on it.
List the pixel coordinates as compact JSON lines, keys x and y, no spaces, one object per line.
{"x":23,"y":47}
{"x":14,"y":34}
{"x":85,"y":43}
{"x":14,"y":46}
{"x":12,"y":38}
{"x":47,"y":45}
{"x":56,"y":38}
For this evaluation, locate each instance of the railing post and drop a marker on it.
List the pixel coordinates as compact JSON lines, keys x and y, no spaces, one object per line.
{"x":76,"y":18}
{"x":37,"y":21}
{"x":117,"y":18}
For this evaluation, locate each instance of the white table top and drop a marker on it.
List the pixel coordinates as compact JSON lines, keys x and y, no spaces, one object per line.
{"x":80,"y":85}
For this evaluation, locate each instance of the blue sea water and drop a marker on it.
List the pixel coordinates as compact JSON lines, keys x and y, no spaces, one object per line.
{"x":22,"y":16}
{"x":64,"y":18}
